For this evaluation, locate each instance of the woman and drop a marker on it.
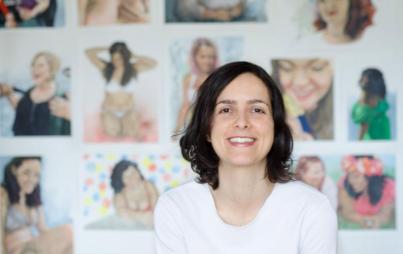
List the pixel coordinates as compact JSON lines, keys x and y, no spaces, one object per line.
{"x":118,"y":116}
{"x":370,"y":112}
{"x":209,"y":10}
{"x":244,"y":199}
{"x":30,"y":12}
{"x":311,"y":170}
{"x":23,"y":218}
{"x":343,"y":21}
{"x":307,"y":87}
{"x":44,"y":109}
{"x":135,"y":197}
{"x":99,"y":12}
{"x":366,"y":195}
{"x":203,"y":61}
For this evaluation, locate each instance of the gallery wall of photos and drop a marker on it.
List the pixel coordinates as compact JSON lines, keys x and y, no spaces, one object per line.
{"x":92,"y":91}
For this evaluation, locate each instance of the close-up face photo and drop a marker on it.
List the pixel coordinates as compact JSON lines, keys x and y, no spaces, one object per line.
{"x":314,"y":174}
{"x":41,"y":70}
{"x":307,"y":81}
{"x":242,"y":129}
{"x":27,"y":175}
{"x":131,"y":177}
{"x":205,"y":58}
{"x":334,"y":12}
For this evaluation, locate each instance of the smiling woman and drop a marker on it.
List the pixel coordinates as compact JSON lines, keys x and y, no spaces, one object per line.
{"x":243,"y":200}
{"x":307,"y":87}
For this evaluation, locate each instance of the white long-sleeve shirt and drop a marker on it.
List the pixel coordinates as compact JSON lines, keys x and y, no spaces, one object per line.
{"x":295,"y":219}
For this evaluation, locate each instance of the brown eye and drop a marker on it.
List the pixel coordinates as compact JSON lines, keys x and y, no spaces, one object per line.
{"x":224,"y":110}
{"x":258,"y":110}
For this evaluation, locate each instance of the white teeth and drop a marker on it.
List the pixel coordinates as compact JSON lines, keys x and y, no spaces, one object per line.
{"x":241,"y":140}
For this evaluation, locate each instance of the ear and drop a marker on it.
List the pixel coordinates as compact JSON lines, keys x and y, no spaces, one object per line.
{"x":208,"y":138}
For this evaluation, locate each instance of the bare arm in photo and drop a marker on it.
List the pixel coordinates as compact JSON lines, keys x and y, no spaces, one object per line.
{"x":82,"y":11}
{"x":143,"y":63}
{"x":40,"y":7}
{"x":7,"y":91}
{"x":131,"y":11}
{"x":92,"y":55}
{"x":3,"y":214}
{"x":185,"y":105}
{"x":60,"y":107}
{"x":194,"y":10}
{"x":346,"y":207}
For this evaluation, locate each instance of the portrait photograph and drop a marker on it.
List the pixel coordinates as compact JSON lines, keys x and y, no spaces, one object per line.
{"x":32,"y":13}
{"x":113,"y":12}
{"x":215,"y":10}
{"x":307,"y":88}
{"x":191,"y":61}
{"x":120,"y":85}
{"x":35,"y":85}
{"x":361,"y":187}
{"x":36,"y":205}
{"x":119,"y":190}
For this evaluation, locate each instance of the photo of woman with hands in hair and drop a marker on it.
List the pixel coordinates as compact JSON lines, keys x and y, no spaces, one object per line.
{"x":23,"y":224}
{"x":45,"y":108}
{"x":343,"y":21}
{"x":119,"y":117}
{"x":243,"y":199}
{"x":307,"y":88}
{"x":101,"y":12}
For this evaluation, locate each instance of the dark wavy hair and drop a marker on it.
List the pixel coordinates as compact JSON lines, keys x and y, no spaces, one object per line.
{"x":373,"y":83}
{"x":360,"y":14}
{"x":375,"y":188}
{"x":129,"y":71}
{"x":198,"y":150}
{"x":10,"y":183}
{"x":117,"y":174}
{"x":375,"y":185}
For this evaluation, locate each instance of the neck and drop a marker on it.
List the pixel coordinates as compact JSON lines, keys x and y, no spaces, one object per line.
{"x":243,"y":186}
{"x":335,"y":33}
{"x":22,"y":201}
{"x":46,"y":85}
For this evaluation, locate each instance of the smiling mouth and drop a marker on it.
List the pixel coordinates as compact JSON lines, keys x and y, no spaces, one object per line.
{"x":304,"y":95}
{"x":241,"y":140}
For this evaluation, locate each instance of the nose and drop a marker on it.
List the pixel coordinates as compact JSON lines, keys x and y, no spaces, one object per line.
{"x":242,"y":121}
{"x":300,"y":79}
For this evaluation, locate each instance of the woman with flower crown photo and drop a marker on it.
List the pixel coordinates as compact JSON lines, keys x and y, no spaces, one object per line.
{"x":366,"y":193}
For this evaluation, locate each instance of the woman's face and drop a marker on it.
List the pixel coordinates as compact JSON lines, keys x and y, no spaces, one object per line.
{"x":131,"y":177}
{"x":334,"y":12}
{"x":306,"y":81}
{"x":242,"y":129}
{"x":41,"y":71}
{"x":314,"y":174}
{"x":27,"y":175}
{"x":117,"y":60}
{"x":358,"y":181}
{"x":205,"y":59}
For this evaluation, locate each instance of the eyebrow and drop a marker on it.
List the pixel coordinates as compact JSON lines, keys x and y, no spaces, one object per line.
{"x":232,"y":102}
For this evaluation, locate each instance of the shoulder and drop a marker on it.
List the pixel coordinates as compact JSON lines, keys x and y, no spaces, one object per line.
{"x":301,"y":194}
{"x":184,"y":192}
{"x":183,"y":197}
{"x":3,"y":195}
{"x":187,"y":79}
